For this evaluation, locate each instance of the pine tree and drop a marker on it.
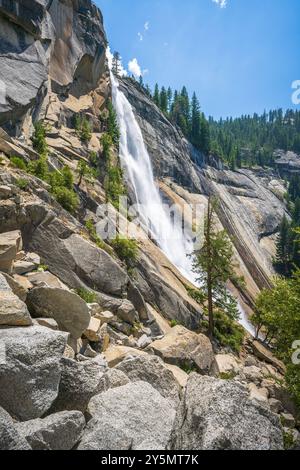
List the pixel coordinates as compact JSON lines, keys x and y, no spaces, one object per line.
{"x":205,"y":136}
{"x":170,"y":96}
{"x":116,"y":63}
{"x":196,"y":122}
{"x":213,"y":263}
{"x":156,"y":96}
{"x":164,"y":100}
{"x":284,"y":248}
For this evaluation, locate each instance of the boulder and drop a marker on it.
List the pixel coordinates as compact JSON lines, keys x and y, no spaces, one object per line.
{"x":66,"y":308}
{"x":127,"y":312}
{"x":19,"y":285}
{"x":152,"y":369}
{"x":10,"y":244}
{"x":259,"y":394}
{"x":144,"y":341}
{"x":185,"y":348}
{"x":227,"y":364}
{"x":94,"y":309}
{"x":275,"y":405}
{"x":48,"y":323}
{"x":105,"y":317}
{"x":218,"y":415}
{"x":288,"y":420}
{"x":64,"y":256}
{"x":92,"y":333}
{"x":23,"y":267}
{"x":5,"y":192}
{"x":116,"y":354}
{"x":60,"y":431}
{"x":80,"y":381}
{"x":45,"y":279}
{"x":180,"y":376}
{"x":134,"y":416}
{"x":113,"y":378}
{"x":13,"y":312}
{"x":252,"y":374}
{"x":264,"y":354}
{"x":30,"y":374}
{"x":10,"y":439}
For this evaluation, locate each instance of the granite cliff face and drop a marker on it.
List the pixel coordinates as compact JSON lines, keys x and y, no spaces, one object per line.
{"x":46,"y":45}
{"x":251,"y":202}
{"x":88,"y":355}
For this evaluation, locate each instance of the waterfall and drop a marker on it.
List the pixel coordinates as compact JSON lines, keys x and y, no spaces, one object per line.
{"x":137,"y":165}
{"x":136,"y":162}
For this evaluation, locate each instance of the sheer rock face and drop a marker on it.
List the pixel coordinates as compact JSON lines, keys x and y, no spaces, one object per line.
{"x":218,"y":414}
{"x":251,"y":201}
{"x":58,"y":45}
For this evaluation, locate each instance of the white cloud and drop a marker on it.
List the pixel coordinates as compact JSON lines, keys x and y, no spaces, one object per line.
{"x":146,"y":26}
{"x":141,"y":37}
{"x":109,"y":56}
{"x":221,"y":3}
{"x":134,"y":68}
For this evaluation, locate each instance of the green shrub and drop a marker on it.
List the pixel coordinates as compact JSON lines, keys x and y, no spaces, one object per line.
{"x":107,"y":143}
{"x":112,"y":124}
{"x":22,"y":183}
{"x":67,"y":198}
{"x":19,"y":163}
{"x":174,"y":323}
{"x":93,"y":159}
{"x":83,"y":128}
{"x":114,"y":186}
{"x":126,"y":249}
{"x":39,"y":138}
{"x":88,"y":296}
{"x":228,"y":332}
{"x":227,"y":375}
{"x":39,"y":168}
{"x":288,"y":440}
{"x":197,"y":294}
{"x":90,"y":226}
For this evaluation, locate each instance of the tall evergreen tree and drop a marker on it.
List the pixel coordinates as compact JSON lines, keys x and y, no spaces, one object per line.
{"x":156,"y":96}
{"x":283,"y":258}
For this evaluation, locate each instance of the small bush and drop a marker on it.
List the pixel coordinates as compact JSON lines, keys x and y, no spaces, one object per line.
{"x":227,"y":375}
{"x":90,"y":226}
{"x":93,"y":159}
{"x":197,"y":294}
{"x":173,"y":323}
{"x":67,"y":198}
{"x":126,"y":249}
{"x":83,"y":128}
{"x":39,"y":138}
{"x":22,"y":183}
{"x":19,"y":163}
{"x":88,"y":296}
{"x":39,"y":168}
{"x":107,"y":143}
{"x":114,"y":186}
{"x":228,"y":332}
{"x":112,"y":124}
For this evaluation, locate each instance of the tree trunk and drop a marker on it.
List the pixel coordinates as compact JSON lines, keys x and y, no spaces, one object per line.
{"x":211,"y":326}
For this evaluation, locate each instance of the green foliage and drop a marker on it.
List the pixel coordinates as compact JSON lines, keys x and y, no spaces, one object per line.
{"x":93,"y":159}
{"x":83,"y":128}
{"x":197,"y":294}
{"x":22,"y":184}
{"x":88,"y":296}
{"x":114,"y":186}
{"x":174,"y":323}
{"x":107,"y":143}
{"x":85,"y":171}
{"x":112,"y":124}
{"x":39,"y":168}
{"x":39,"y":139}
{"x":227,"y":375}
{"x":228,"y":332}
{"x":277,"y":312}
{"x":288,"y":440}
{"x":67,"y":198}
{"x":19,"y":163}
{"x":126,"y":249}
{"x":91,"y":228}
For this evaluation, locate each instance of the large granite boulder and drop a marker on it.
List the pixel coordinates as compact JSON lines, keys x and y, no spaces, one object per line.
{"x":10,"y":439}
{"x":60,"y":431}
{"x":218,"y":415}
{"x":10,"y":244}
{"x":134,"y":416}
{"x":185,"y":348}
{"x":152,"y":369}
{"x":30,"y":370}
{"x":80,"y":381}
{"x":13,"y":312}
{"x":66,"y":308}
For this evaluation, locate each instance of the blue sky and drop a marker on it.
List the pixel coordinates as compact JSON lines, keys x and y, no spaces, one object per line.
{"x":240,"y":58}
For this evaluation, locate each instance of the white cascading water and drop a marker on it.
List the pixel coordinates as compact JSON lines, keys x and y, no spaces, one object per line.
{"x":135,"y":159}
{"x":137,"y":164}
